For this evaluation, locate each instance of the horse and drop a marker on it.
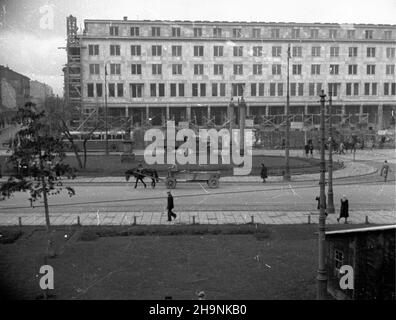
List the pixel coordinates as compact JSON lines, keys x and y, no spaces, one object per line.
{"x":141,"y":174}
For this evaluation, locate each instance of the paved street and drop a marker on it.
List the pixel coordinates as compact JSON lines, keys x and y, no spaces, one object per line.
{"x":111,"y":200}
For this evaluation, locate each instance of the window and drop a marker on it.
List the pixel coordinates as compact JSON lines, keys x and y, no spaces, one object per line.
{"x":387,"y":34}
{"x":135,"y":31}
{"x":176,"y":69}
{"x":257,"y":51}
{"x":318,"y":89}
{"x":370,"y":52}
{"x":136,"y":50}
{"x":280,"y":89}
{"x":374,"y":89}
{"x":156,"y":69}
{"x":214,"y":89}
{"x":176,"y":51}
{"x":93,"y":49}
{"x":333,"y":33}
{"x":115,"y":68}
{"x":181,"y":89}
{"x":94,"y":68}
{"x":367,"y":89}
{"x":315,"y":51}
{"x":195,"y":89}
{"x":217,"y":32}
{"x":218,"y":69}
{"x":297,"y":51}
{"x":173,"y":89}
{"x":333,"y":89}
{"x":311,"y":89}
{"x":198,"y":69}
{"x":136,"y":69}
{"x":257,"y":69}
{"x":349,"y":89}
{"x":296,"y":69}
{"x":334,"y":69}
{"x":351,"y":34}
{"x":99,"y":90}
{"x":276,"y":51}
{"x":390,"y":89}
{"x":120,"y":90}
{"x":237,"y":32}
{"x":276,"y":69}
{"x":352,"y":69}
{"x":295,"y":34}
{"x":275,"y":33}
{"x":218,"y":51}
{"x":153,"y":89}
{"x":315,"y":69}
{"x":197,"y":32}
{"x":293,"y":87}
{"x":222,"y":89}
{"x":390,"y":52}
{"x":176,"y":32}
{"x":371,"y":69}
{"x":354,"y":87}
{"x":198,"y":51}
{"x":272,"y":90}
{"x":261,"y":89}
{"x":161,"y":90}
{"x":338,"y":259}
{"x":390,"y":69}
{"x":202,"y":89}
{"x":352,"y":51}
{"x":334,"y":51}
{"x":238,"y":69}
{"x":114,"y":50}
{"x":256,"y":33}
{"x":314,"y":33}
{"x":156,"y":51}
{"x":238,"y":89}
{"x":253,"y":89}
{"x":111,"y":90}
{"x":368,"y":34}
{"x":238,"y":51}
{"x":301,"y":89}
{"x":136,"y":90}
{"x":90,"y":89}
{"x":155,"y":31}
{"x":114,"y":31}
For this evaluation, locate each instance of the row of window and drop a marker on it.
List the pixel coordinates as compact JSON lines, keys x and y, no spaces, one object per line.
{"x":238,"y":89}
{"x":238,"y":51}
{"x":256,"y":33}
{"x":238,"y":69}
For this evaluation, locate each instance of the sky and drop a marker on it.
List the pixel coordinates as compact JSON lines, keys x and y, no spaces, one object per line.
{"x":32,"y":32}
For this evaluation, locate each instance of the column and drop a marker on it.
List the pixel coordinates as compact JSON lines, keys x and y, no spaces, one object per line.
{"x":267,"y":110}
{"x":126,"y":112}
{"x":306,"y":109}
{"x":188,"y":113}
{"x":248,"y":110}
{"x":361,"y":113}
{"x":380,"y":116}
{"x":167,"y":112}
{"x":208,"y":112}
{"x":343,"y":113}
{"x":147,"y":112}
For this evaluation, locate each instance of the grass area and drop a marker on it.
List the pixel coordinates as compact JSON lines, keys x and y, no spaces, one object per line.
{"x":227,"y":262}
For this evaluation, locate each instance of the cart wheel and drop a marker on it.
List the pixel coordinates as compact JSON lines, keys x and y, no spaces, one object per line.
{"x":170,"y":183}
{"x":213,"y":183}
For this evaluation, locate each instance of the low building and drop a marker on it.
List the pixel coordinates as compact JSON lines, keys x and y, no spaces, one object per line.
{"x":371,"y":254}
{"x":39,"y":93}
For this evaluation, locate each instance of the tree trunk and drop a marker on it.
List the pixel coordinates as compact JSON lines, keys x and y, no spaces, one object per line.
{"x":50,"y":249}
{"x":85,"y":153}
{"x":78,"y":158}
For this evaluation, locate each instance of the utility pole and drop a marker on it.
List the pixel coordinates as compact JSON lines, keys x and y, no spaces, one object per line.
{"x":106,"y":128}
{"x":231,"y":117}
{"x":286,"y":176}
{"x":322,"y":274}
{"x":242,"y":120}
{"x":330,"y":196}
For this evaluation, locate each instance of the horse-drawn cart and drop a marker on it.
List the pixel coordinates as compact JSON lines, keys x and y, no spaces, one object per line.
{"x":210,"y":177}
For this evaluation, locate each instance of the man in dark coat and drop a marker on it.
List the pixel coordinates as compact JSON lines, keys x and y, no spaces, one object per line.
{"x":170,"y":206}
{"x":385,"y":170}
{"x":264,"y":172}
{"x":306,"y":147}
{"x":344,"y":210}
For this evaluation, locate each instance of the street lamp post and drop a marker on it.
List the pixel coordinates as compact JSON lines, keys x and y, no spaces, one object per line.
{"x":242,"y":119}
{"x":106,"y":127}
{"x":330,"y":196}
{"x":321,"y":273}
{"x":231,"y":118}
{"x":286,"y":176}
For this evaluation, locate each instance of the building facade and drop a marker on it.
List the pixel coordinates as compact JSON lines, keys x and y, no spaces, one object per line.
{"x":188,"y":71}
{"x":39,"y":93}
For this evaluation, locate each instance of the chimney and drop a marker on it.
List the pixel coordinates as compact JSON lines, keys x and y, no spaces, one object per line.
{"x":125,"y":18}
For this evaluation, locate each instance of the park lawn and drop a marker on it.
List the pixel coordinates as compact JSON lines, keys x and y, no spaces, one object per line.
{"x":279,"y":262}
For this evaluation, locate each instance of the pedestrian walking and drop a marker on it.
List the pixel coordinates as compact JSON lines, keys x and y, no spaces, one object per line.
{"x":325,"y":206}
{"x":342,"y":148}
{"x":344,"y":210}
{"x":170,"y":206}
{"x":139,"y":175}
{"x":311,"y":148}
{"x":384,"y":170}
{"x":306,"y":147}
{"x":264,"y":172}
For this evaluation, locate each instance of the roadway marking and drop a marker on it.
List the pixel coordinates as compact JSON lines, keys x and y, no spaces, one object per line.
{"x":203,"y":188}
{"x":294,"y":193}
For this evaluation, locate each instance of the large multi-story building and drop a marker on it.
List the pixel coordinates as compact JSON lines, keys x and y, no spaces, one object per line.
{"x":189,"y":70}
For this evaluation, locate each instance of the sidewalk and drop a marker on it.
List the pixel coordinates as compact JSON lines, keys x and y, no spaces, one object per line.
{"x":199,"y":217}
